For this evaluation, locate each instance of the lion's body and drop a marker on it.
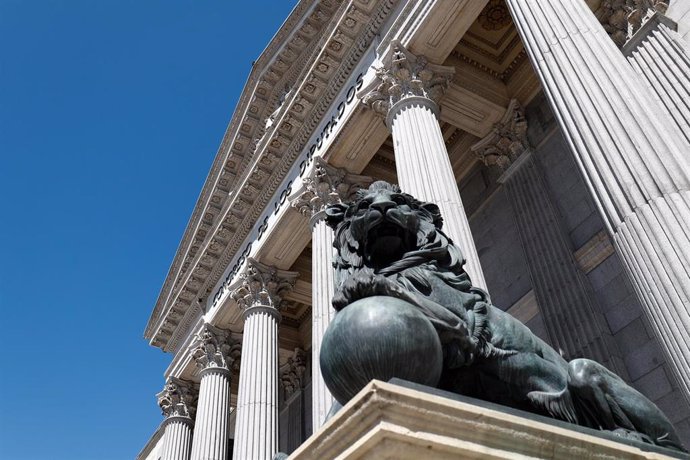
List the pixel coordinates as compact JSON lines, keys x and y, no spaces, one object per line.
{"x":390,"y":244}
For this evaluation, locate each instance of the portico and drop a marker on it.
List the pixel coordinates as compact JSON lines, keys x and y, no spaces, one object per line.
{"x":560,"y":175}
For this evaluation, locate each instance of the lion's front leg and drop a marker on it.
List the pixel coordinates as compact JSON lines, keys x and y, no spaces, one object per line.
{"x":364,"y":283}
{"x":451,"y":328}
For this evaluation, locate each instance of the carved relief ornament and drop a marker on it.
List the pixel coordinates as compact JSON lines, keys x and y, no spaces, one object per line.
{"x":263,"y":286}
{"x":216,"y":348}
{"x":292,"y":372}
{"x":506,"y":141}
{"x":326,"y":185}
{"x":622,"y":18}
{"x":178,"y":398}
{"x":404,"y":75}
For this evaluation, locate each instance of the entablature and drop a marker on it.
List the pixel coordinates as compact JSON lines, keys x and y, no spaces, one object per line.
{"x":258,"y":175}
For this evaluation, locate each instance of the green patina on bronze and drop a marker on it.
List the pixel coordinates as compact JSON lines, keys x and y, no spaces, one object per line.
{"x":389,"y":244}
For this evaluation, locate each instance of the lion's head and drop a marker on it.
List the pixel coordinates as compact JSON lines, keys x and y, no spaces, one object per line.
{"x":386,"y":231}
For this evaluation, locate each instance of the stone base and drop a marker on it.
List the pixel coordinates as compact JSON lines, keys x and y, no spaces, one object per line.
{"x":387,"y":420}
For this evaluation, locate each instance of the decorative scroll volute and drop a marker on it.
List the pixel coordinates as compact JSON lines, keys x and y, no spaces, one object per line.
{"x":326,"y":185}
{"x":217,"y":348}
{"x":292,"y":373}
{"x":506,"y":141}
{"x":622,"y":18}
{"x":178,"y":398}
{"x":263,"y":286}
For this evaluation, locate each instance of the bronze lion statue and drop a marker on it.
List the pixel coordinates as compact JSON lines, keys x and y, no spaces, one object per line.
{"x":390,"y":244}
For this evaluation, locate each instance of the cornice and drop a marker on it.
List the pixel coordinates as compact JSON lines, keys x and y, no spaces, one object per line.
{"x":260,"y":94}
{"x":351,"y":33}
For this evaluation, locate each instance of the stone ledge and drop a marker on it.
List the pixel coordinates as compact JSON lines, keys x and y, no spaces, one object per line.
{"x":387,"y":420}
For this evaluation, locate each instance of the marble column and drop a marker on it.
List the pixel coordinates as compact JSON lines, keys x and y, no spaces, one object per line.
{"x":572,"y":319}
{"x":324,"y":185}
{"x":662,"y":58}
{"x":406,"y":92}
{"x":215,"y":352}
{"x":259,"y":295}
{"x":633,"y":157}
{"x":178,"y":403}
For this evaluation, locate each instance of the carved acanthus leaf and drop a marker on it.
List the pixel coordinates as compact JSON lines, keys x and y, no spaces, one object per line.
{"x":262,"y":285}
{"x":403,"y":75}
{"x":292,"y":373}
{"x":622,"y":18}
{"x":506,"y":141}
{"x":178,"y":398}
{"x":215,"y":347}
{"x":326,"y":185}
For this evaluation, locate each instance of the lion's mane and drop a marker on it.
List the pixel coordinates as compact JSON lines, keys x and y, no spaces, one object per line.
{"x":435,"y":255}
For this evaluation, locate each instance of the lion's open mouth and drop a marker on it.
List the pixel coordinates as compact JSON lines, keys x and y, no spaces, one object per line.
{"x":386,"y":243}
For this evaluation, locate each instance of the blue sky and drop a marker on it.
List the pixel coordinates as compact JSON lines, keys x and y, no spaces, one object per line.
{"x":111,"y":113}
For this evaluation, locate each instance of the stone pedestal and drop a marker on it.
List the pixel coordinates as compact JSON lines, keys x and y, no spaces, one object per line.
{"x":632,"y":155}
{"x":215,"y":355}
{"x":260,"y":296}
{"x":178,"y":403}
{"x":323,"y":186}
{"x":406,"y":92}
{"x":391,"y":421}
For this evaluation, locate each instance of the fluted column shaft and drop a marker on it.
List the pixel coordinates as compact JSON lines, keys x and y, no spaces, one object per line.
{"x":324,"y":185}
{"x":424,"y":171}
{"x":571,"y":318}
{"x":662,"y":58}
{"x":178,"y":403}
{"x":213,"y":411}
{"x":260,"y":296}
{"x":633,"y":157}
{"x":322,"y":313}
{"x":256,"y":433}
{"x":177,"y":438}
{"x":406,"y":91}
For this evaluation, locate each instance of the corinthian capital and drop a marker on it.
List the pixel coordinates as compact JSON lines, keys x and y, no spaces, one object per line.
{"x":404,"y":75}
{"x":326,"y":185}
{"x":178,"y":398}
{"x":292,"y":372}
{"x":215,"y":348}
{"x":506,"y":141}
{"x":263,"y":286}
{"x":622,"y":18}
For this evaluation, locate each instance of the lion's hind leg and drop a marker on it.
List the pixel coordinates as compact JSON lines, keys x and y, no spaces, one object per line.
{"x":558,"y":404}
{"x":604,"y":401}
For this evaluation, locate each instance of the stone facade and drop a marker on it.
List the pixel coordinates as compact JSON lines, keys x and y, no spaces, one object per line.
{"x":559,"y":159}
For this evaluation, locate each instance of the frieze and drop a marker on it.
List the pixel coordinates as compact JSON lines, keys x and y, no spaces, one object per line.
{"x":308,"y":156}
{"x":284,"y":38}
{"x":355,"y":54}
{"x":288,"y":156}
